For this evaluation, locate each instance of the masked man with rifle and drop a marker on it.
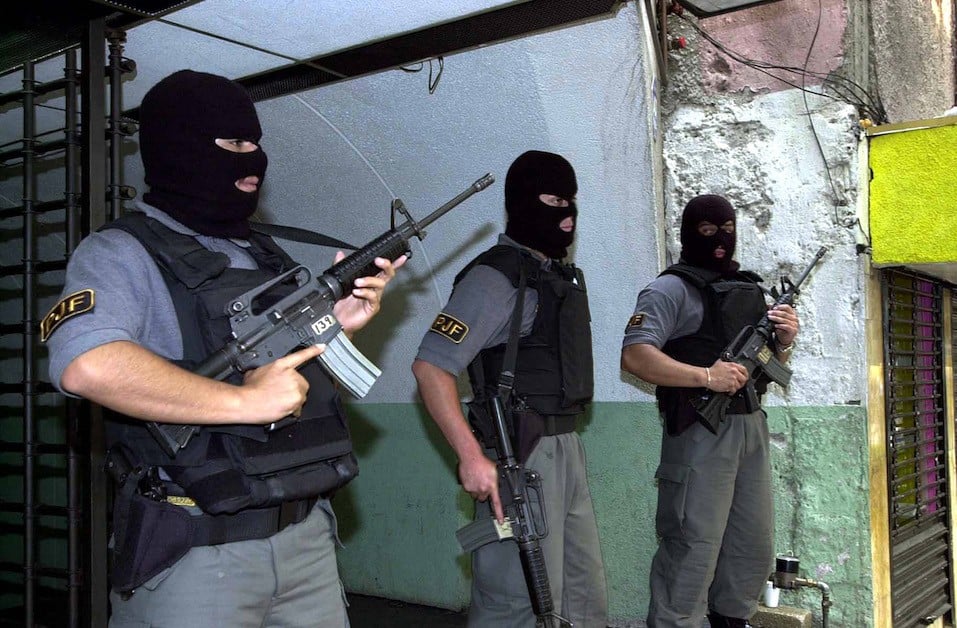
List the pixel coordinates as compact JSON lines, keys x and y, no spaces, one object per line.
{"x":715,"y":511}
{"x":236,"y":528}
{"x":518,"y":309}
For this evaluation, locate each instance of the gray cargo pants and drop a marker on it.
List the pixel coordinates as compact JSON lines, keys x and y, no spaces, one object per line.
{"x":576,"y":573}
{"x":289,"y":579}
{"x":715,"y":523}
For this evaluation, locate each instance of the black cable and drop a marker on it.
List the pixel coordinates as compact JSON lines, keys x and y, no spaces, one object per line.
{"x":836,"y":82}
{"x":433,"y":81}
{"x":845,"y":90}
{"x":434,"y":84}
{"x":810,"y":119}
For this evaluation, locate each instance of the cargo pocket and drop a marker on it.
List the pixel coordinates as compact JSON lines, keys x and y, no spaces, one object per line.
{"x":672,"y":491}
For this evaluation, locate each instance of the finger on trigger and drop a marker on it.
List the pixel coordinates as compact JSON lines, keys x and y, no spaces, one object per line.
{"x":294,"y":360}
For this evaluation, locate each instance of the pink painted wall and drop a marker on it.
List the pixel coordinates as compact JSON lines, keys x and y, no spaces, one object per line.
{"x":778,"y":33}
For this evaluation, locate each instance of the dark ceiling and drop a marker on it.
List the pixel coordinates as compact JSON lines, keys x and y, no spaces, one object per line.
{"x":461,"y":34}
{"x":41,"y":28}
{"x":37,"y":29}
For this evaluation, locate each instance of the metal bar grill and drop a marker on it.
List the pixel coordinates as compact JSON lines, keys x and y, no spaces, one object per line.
{"x":29,"y":403}
{"x":916,"y":448}
{"x":61,"y":576}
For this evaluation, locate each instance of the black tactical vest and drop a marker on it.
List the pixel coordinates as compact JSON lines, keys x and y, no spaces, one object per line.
{"x":729,"y":306}
{"x":553,"y":371}
{"x":228,"y":468}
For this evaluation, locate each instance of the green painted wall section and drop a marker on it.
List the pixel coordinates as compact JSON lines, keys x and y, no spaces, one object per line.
{"x":398,"y":518}
{"x":913,"y":196}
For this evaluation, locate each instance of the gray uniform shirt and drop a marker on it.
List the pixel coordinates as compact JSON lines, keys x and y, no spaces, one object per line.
{"x":669,"y":307}
{"x":483,"y":301}
{"x":131,"y":301}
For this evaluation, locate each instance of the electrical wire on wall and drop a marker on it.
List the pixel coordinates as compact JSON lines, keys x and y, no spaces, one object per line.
{"x":433,"y":83}
{"x":842,"y":89}
{"x":834,"y":87}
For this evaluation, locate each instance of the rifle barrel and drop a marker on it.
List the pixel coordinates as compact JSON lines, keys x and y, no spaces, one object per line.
{"x":478,"y":186}
{"x":807,"y":271}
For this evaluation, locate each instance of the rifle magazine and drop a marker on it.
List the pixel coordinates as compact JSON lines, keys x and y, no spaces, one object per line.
{"x":481,"y":532}
{"x":348,"y":366}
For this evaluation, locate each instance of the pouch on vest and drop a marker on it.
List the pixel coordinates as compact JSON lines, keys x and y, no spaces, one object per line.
{"x":310,"y":457}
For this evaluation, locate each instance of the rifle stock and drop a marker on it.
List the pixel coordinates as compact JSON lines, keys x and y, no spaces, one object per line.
{"x":751,"y":348}
{"x":305,"y":317}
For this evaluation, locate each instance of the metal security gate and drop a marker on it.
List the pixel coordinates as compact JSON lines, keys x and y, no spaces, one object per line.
{"x":53,"y":494}
{"x":916,"y":449}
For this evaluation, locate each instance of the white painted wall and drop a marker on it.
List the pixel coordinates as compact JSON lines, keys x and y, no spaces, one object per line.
{"x":761,"y":154}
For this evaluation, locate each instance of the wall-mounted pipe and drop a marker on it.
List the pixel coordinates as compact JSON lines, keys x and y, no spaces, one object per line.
{"x":785,"y":577}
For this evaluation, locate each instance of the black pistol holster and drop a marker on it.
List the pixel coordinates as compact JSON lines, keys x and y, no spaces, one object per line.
{"x":149,"y":533}
{"x":152,"y":528}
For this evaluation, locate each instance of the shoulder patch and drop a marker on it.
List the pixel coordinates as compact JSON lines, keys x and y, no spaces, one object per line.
{"x":69,"y":306}
{"x":636,"y":321}
{"x":450,"y":327}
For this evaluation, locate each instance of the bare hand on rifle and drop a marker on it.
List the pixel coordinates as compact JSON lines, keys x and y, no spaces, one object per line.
{"x":479,"y":478}
{"x":785,"y":322}
{"x":358,"y":308}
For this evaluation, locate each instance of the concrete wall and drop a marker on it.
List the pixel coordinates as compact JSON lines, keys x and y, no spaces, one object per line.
{"x":913,"y":55}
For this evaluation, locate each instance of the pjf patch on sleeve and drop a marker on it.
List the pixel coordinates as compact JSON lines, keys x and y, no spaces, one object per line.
{"x":69,"y":306}
{"x":450,"y":327}
{"x":636,"y":320}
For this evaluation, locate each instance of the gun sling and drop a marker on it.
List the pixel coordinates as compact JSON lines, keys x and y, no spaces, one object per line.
{"x":506,"y":377}
{"x":552,"y":424}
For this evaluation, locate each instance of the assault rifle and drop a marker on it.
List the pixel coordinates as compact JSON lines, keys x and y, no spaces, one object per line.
{"x":520,"y":490}
{"x":304,"y":317}
{"x":752,"y":348}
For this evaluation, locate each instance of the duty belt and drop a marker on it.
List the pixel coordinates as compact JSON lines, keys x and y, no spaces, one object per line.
{"x":259,"y":523}
{"x":559,"y":424}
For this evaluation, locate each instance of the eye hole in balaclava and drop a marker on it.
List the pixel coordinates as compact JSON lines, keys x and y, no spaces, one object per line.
{"x":190,"y":177}
{"x":698,"y":249}
{"x":530,"y":221}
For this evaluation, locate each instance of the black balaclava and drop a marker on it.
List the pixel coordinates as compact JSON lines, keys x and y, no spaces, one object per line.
{"x":530,"y":221}
{"x":190,"y":177}
{"x":697,"y":249}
